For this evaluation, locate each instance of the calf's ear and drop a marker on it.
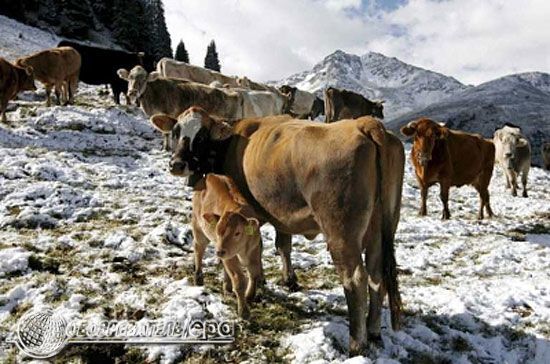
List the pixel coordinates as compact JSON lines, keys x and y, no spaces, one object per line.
{"x":409,"y":129}
{"x":220,"y":130}
{"x":153,"y":76}
{"x":164,"y":123}
{"x":252,"y":225}
{"x":211,"y":218}
{"x":123,"y":73}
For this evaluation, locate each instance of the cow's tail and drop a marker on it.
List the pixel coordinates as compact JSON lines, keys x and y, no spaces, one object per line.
{"x":389,"y":203}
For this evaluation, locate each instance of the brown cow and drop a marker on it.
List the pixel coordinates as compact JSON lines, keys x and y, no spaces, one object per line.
{"x":450,"y":158}
{"x":13,"y":79}
{"x":221,"y":214}
{"x":56,"y":67}
{"x":281,"y":166}
{"x":344,"y":104}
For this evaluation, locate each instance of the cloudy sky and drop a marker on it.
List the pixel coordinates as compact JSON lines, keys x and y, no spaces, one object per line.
{"x":472,"y":40}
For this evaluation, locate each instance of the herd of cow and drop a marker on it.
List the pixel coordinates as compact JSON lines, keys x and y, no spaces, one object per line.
{"x":251,"y":160}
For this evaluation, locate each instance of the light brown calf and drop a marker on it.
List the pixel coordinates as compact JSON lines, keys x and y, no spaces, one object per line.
{"x":221,"y":214}
{"x":56,"y":67}
{"x":13,"y":79}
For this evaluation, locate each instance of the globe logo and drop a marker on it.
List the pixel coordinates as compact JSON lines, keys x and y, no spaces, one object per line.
{"x":41,"y":334}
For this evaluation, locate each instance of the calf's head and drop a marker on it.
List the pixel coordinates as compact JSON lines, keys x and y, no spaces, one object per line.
{"x":234,"y":232}
{"x":137,"y":81}
{"x":426,"y":134}
{"x":191,"y":135}
{"x":507,"y":140}
{"x":26,"y":78}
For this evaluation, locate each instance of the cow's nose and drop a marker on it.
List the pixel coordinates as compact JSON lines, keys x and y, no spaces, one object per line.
{"x":176,"y":165}
{"x":220,"y":253}
{"x":508,"y":155}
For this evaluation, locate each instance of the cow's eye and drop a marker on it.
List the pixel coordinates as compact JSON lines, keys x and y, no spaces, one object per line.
{"x":237,"y":233}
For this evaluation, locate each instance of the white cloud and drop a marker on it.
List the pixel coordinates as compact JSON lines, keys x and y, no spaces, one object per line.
{"x":472,"y":40}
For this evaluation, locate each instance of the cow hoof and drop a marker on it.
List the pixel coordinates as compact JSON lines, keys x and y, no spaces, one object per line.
{"x":198,"y":279}
{"x":376,"y":340}
{"x":422,"y":213}
{"x":358,"y":350}
{"x":292,"y":284}
{"x":524,"y":194}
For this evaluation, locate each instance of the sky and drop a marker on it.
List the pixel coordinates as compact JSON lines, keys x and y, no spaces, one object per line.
{"x":472,"y":40}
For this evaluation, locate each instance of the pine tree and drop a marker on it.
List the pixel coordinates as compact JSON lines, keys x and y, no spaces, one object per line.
{"x":103,"y":11}
{"x":13,"y":9}
{"x":159,"y":44}
{"x":181,"y":53}
{"x":76,"y":18}
{"x":211,"y":60}
{"x":128,"y":17}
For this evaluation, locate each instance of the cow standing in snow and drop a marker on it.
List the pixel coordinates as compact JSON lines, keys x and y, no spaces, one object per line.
{"x":513,"y":153}
{"x":56,"y":67}
{"x":13,"y":79}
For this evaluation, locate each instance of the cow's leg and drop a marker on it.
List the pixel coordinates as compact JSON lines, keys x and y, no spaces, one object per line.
{"x":3,"y":107}
{"x":238,"y":280}
{"x":524,"y":175}
{"x":484,"y":202}
{"x":116,"y":94}
{"x":444,"y":195}
{"x":283,"y":243}
{"x":48,"y":92}
{"x":200,"y":241}
{"x":349,"y":265}
{"x":166,"y":142}
{"x":423,"y":198}
{"x":513,"y":182}
{"x":373,"y":261}
{"x":255,"y":274}
{"x":73,"y":87}
{"x":58,"y":94}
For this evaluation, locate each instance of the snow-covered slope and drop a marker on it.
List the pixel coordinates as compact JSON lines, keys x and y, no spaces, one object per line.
{"x":17,"y":39}
{"x":404,"y":87}
{"x":522,"y":99}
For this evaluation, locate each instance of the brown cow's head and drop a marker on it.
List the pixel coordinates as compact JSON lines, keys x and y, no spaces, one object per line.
{"x":426,"y":133}
{"x":191,"y":134}
{"x":137,"y":81}
{"x":233,"y":232}
{"x":26,"y":79}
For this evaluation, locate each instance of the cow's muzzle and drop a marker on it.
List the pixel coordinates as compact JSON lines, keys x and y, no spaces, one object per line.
{"x":178,"y":167}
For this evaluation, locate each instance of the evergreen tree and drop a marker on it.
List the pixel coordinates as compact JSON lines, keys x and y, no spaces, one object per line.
{"x":181,"y":53}
{"x":159,"y":44}
{"x":104,"y":11}
{"x":128,"y":18}
{"x":13,"y":9}
{"x":76,"y":18}
{"x":211,"y":60}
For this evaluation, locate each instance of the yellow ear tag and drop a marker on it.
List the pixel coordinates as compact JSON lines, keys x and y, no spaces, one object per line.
{"x":249,"y":229}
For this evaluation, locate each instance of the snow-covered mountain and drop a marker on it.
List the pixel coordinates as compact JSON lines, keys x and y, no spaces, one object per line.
{"x":523,"y":99}
{"x":404,"y":87}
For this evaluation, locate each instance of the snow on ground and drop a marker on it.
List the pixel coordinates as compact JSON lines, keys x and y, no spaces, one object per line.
{"x":19,"y":39}
{"x":93,"y":225}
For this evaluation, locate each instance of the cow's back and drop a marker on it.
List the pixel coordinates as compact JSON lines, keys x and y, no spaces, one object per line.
{"x":288,"y":159}
{"x":470,"y":157}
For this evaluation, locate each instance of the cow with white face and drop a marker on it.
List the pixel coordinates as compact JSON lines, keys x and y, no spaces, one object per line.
{"x":137,"y":81}
{"x":513,"y":153}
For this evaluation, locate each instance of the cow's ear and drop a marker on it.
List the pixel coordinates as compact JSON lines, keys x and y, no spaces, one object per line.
{"x":211,"y":218}
{"x":409,"y":129}
{"x":153,"y":76}
{"x":443,"y":132}
{"x":220,"y":130}
{"x":522,"y":142}
{"x":164,"y":123}
{"x":123,"y":73}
